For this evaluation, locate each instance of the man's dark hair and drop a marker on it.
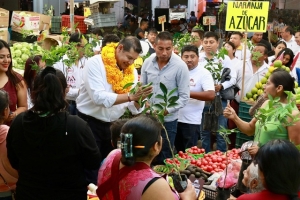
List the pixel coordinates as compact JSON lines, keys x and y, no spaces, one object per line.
{"x":211,"y":34}
{"x":190,"y":48}
{"x":75,"y":38}
{"x":238,"y":33}
{"x":152,"y":30}
{"x":110,"y":38}
{"x":144,"y":21}
{"x":289,"y":29}
{"x":97,"y":31}
{"x":199,"y":31}
{"x":131,"y":42}
{"x":263,"y":45}
{"x":164,"y":36}
{"x":132,"y":19}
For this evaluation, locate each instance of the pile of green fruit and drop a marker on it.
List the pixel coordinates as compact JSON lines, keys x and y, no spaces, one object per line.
{"x":259,"y":86}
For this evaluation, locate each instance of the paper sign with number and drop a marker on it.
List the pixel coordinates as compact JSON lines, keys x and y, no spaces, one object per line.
{"x":247,"y":15}
{"x":162,"y":19}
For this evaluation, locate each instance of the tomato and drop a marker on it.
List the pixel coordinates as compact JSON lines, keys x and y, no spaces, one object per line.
{"x":223,"y":166}
{"x":219,"y":159}
{"x":210,"y":163}
{"x":209,"y":168}
{"x":204,"y":168}
{"x":202,"y":150}
{"x":206,"y":155}
{"x":214,"y":159}
{"x":193,"y":161}
{"x":214,"y":166}
{"x":180,"y":153}
{"x":204,"y":162}
{"x":209,"y":160}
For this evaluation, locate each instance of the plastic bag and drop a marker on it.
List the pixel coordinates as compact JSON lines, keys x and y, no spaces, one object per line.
{"x":231,"y":173}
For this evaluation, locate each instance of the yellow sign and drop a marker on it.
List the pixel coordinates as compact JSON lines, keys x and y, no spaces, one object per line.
{"x":250,"y":16}
{"x":162,"y":19}
{"x":87,"y":12}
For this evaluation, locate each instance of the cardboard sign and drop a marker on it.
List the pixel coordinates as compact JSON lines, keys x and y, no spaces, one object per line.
{"x":4,"y":17}
{"x":209,"y":20}
{"x":162,"y":19}
{"x":4,"y":34}
{"x":270,"y":27}
{"x":250,"y":16}
{"x":29,"y":21}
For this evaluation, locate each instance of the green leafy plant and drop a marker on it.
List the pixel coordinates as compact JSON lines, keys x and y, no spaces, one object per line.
{"x":158,"y":111}
{"x":255,"y":57}
{"x":180,"y":40}
{"x":276,"y":111}
{"x":221,"y":9}
{"x":215,"y":66}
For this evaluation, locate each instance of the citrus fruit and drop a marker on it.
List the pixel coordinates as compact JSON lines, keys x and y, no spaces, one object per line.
{"x":277,"y":63}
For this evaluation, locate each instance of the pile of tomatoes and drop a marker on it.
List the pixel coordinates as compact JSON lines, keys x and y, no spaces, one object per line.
{"x":184,"y":155}
{"x":172,"y":161}
{"x":216,"y":161}
{"x":196,"y":150}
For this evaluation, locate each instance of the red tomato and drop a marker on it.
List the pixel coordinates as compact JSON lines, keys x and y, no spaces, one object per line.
{"x":210,"y":163}
{"x":204,"y":168}
{"x":202,"y":150}
{"x":214,"y":166}
{"x":223,"y":166}
{"x":219,"y":159}
{"x":180,"y":153}
{"x":209,"y":168}
{"x":214,"y":159}
{"x":204,"y":162}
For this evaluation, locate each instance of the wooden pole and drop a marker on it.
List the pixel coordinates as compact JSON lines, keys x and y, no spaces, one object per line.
{"x":244,"y":65}
{"x":163,"y":26}
{"x":72,"y":16}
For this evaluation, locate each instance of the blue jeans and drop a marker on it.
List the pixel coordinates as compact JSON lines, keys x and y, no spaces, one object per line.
{"x":165,"y":152}
{"x":206,"y":135}
{"x":187,"y":136}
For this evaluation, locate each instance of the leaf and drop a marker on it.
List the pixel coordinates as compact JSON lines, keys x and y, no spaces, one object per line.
{"x":157,"y":107}
{"x":173,"y":99}
{"x":172,"y":91}
{"x":128,"y":85}
{"x":172,"y":105}
{"x":150,"y":95}
{"x":163,"y":88}
{"x":161,"y":118}
{"x":159,"y":96}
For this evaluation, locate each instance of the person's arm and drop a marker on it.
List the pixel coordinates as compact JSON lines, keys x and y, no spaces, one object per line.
{"x":183,"y":84}
{"x":293,"y":131}
{"x":208,"y":93}
{"x":12,"y":132}
{"x":21,"y":101}
{"x":244,"y":127}
{"x":90,"y":154}
{"x":141,"y":34}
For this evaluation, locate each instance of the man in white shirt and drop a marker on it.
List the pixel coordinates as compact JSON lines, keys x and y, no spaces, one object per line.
{"x":289,"y":39}
{"x":236,"y":38}
{"x":202,"y":89}
{"x":209,"y":59}
{"x":255,"y":70}
{"x":166,"y":67}
{"x":197,"y":35}
{"x":102,"y":100}
{"x":73,"y":73}
{"x":152,"y":33}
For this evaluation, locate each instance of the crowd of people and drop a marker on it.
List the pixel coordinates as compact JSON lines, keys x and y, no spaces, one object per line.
{"x":61,"y":127}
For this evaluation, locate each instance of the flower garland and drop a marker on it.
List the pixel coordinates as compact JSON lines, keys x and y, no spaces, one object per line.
{"x":114,"y":75}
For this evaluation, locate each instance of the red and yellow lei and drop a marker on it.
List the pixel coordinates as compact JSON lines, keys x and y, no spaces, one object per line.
{"x":114,"y":75}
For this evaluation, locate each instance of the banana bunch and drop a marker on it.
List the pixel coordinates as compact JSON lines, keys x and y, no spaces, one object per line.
{"x":138,"y":62}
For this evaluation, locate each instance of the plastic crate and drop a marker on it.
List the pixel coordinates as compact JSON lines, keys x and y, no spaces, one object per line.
{"x":56,"y":24}
{"x":241,"y":138}
{"x":212,"y":194}
{"x":78,"y":20}
{"x":244,"y":112}
{"x":104,"y":20}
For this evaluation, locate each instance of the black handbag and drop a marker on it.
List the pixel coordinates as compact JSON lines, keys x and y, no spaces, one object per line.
{"x":229,"y":93}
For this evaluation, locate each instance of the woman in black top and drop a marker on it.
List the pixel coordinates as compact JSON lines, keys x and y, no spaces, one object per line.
{"x":49,"y":147}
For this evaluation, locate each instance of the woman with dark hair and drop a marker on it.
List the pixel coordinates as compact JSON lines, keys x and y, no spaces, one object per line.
{"x":29,"y":74}
{"x":141,"y":142}
{"x":278,"y":167}
{"x":279,"y":82}
{"x":288,"y":57}
{"x":50,"y":148}
{"x":230,"y":47}
{"x":12,"y":83}
{"x":8,"y":175}
{"x":279,"y":46}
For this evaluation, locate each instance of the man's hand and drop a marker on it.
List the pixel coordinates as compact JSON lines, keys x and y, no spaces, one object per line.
{"x":218,"y":87}
{"x":141,"y":93}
